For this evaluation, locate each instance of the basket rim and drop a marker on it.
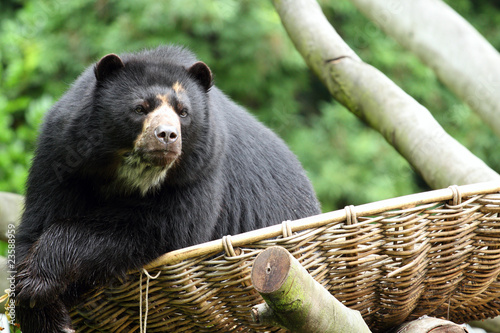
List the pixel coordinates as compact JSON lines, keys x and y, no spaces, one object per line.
{"x":372,"y":208}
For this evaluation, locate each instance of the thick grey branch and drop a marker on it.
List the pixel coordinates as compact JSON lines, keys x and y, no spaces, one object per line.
{"x":460,"y":56}
{"x":368,"y":93}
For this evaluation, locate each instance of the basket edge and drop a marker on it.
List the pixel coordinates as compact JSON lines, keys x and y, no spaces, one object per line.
{"x":319,"y":220}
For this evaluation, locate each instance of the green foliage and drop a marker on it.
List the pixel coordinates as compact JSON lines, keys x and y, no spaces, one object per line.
{"x":45,"y":44}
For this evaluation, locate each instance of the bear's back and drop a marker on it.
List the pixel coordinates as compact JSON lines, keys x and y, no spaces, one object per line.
{"x":266,"y":183}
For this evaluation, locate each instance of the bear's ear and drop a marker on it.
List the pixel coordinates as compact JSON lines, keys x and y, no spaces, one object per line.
{"x":107,"y":65}
{"x":202,"y":74}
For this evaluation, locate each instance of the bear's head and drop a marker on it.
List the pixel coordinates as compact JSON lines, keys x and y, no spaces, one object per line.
{"x":149,"y":113}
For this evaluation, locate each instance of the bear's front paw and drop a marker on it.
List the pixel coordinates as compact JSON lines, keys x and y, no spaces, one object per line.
{"x":53,"y":318}
{"x":35,"y":288}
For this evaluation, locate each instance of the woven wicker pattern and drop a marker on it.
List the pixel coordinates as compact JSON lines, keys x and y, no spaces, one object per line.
{"x":434,"y":253}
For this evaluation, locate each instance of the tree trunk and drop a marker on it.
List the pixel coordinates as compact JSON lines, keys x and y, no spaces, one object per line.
{"x":368,"y":93}
{"x":295,"y":300}
{"x":460,"y":56}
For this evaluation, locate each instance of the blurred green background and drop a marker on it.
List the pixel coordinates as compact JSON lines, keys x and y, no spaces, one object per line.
{"x":45,"y":44}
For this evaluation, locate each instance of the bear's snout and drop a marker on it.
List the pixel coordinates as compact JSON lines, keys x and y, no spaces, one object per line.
{"x":166,"y":134}
{"x":160,"y":142}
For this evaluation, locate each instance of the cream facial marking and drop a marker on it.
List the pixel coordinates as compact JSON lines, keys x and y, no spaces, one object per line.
{"x":146,"y":167}
{"x":163,"y":115}
{"x":134,"y":174}
{"x":178,"y":88}
{"x":163,"y":99}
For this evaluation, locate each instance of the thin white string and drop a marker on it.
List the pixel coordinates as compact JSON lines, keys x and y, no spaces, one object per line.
{"x":149,"y":277}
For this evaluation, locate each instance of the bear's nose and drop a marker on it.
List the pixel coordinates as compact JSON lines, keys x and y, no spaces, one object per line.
{"x":166,"y":134}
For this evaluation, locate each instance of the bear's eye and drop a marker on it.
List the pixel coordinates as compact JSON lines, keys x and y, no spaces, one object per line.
{"x":139,"y":109}
{"x":183,"y":113}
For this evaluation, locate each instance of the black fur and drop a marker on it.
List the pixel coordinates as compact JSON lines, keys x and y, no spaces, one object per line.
{"x":81,"y":229}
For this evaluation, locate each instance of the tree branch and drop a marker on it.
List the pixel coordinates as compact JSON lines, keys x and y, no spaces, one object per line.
{"x":460,"y":56}
{"x":368,"y":93}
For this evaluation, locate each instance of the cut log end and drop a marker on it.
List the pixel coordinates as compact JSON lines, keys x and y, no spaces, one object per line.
{"x":270,"y":269}
{"x":431,"y":325}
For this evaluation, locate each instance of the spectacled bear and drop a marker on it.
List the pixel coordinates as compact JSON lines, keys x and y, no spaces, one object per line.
{"x":141,"y":156}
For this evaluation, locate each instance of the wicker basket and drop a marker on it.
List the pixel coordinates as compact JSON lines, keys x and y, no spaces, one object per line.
{"x":434,"y":253}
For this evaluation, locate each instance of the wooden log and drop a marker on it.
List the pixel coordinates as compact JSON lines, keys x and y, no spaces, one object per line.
{"x":431,"y":325}
{"x":295,"y":300}
{"x":489,"y":325}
